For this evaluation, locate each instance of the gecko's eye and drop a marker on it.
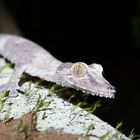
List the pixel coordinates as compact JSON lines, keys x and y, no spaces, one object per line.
{"x":78,"y":70}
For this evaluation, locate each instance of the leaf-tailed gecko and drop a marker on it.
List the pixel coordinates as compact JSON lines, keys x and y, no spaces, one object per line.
{"x":32,"y":59}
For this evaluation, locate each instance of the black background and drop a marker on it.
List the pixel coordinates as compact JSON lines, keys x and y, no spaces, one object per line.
{"x":105,"y":32}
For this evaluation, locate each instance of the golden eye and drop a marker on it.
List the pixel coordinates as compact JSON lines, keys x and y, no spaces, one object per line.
{"x":78,"y":70}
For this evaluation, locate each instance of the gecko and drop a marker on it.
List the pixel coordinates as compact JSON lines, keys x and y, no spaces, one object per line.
{"x":30,"y":58}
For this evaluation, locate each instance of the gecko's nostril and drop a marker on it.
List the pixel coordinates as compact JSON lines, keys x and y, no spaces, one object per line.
{"x":111,"y":88}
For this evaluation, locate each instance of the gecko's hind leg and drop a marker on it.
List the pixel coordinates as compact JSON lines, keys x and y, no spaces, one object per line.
{"x":12,"y":84}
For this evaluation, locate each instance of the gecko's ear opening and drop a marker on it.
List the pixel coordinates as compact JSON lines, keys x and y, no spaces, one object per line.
{"x":78,"y":70}
{"x":97,"y":67}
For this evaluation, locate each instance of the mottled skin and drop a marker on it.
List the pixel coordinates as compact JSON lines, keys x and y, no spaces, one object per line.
{"x":32,"y":59}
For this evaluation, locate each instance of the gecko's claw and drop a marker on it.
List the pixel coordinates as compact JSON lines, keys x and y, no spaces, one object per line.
{"x":11,"y":87}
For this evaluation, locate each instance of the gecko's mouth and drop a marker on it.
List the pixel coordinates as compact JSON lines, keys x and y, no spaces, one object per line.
{"x":102,"y":94}
{"x":105,"y":93}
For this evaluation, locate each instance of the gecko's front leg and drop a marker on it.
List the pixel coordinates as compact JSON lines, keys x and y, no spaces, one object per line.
{"x":12,"y":84}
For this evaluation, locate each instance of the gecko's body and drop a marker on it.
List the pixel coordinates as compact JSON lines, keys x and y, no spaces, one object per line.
{"x":32,"y":59}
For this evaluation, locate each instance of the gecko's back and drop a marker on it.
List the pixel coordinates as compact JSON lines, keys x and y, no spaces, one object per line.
{"x":19,"y":50}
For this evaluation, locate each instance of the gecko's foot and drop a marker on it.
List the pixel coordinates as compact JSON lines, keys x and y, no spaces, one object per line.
{"x":11,"y":87}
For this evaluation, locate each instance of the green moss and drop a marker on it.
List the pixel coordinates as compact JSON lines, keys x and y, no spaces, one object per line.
{"x":119,"y":125}
{"x":41,"y":103}
{"x":22,"y":128}
{"x":90,"y":128}
{"x":93,"y":107}
{"x":7,"y":116}
{"x":133,"y":136}
{"x":3,"y":96}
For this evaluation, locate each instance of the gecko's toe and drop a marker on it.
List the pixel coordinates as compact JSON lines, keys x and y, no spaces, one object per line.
{"x":11,"y":87}
{"x":13,"y":93}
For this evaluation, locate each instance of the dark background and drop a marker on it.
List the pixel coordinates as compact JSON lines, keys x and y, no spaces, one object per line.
{"x":105,"y":32}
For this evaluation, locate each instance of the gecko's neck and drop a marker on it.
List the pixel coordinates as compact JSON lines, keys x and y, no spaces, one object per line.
{"x":52,"y":67}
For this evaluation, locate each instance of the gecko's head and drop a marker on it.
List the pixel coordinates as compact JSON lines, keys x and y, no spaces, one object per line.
{"x":87,"y":78}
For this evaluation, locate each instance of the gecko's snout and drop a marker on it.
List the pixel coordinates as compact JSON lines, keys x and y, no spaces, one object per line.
{"x":109,"y":86}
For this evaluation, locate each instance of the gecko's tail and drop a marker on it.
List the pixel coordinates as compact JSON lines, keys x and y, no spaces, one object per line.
{"x":7,"y":22}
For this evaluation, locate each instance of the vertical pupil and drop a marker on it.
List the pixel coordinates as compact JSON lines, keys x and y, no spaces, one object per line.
{"x":78,"y":70}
